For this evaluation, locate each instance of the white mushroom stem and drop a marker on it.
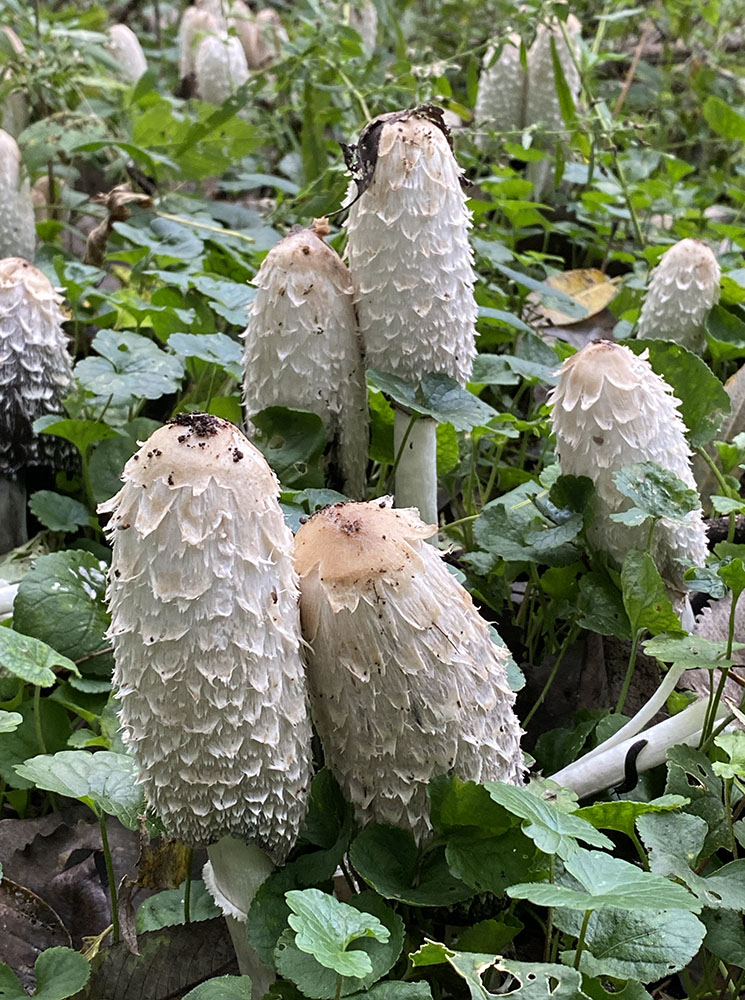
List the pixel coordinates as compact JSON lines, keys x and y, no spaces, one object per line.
{"x":8,"y":593}
{"x":233,"y":875}
{"x":593,"y":773}
{"x":415,"y":448}
{"x":13,"y":530}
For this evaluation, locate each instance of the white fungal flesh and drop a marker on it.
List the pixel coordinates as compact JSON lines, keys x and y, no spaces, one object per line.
{"x":303,"y":350}
{"x":500,"y":106}
{"x":610,"y":409}
{"x":194,"y":25}
{"x":17,"y":224}
{"x":416,"y":472}
{"x":405,"y":681}
{"x":683,"y":288}
{"x":14,"y":107}
{"x":35,"y":367}
{"x":220,"y":67}
{"x":410,"y":259}
{"x":206,"y":637}
{"x":125,"y":47}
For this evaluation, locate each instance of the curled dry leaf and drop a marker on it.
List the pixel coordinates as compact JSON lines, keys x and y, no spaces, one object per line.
{"x":118,"y":204}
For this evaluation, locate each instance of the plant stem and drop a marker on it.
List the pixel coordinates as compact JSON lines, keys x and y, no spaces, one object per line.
{"x":581,"y":938}
{"x":37,"y":720}
{"x":629,"y":673}
{"x":550,"y":920}
{"x":187,"y":887}
{"x":111,"y":877}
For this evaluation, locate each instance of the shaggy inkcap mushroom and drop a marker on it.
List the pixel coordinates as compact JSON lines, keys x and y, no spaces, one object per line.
{"x":17,"y":224}
{"x":14,"y":106}
{"x":220,"y":67}
{"x":500,"y":106}
{"x":683,"y":288}
{"x":125,"y":47}
{"x":610,"y":409}
{"x":206,"y":636}
{"x":303,"y":347}
{"x":405,"y":680}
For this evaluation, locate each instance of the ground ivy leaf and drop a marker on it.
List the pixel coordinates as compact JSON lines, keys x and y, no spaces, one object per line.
{"x":644,"y":595}
{"x":129,"y":367}
{"x":222,"y":988}
{"x":325,"y":927}
{"x":550,"y":829}
{"x":656,"y":491}
{"x":622,"y":815}
{"x":107,"y":781}
{"x":58,"y":512}
{"x":59,"y":973}
{"x":643,"y":945}
{"x":31,"y":659}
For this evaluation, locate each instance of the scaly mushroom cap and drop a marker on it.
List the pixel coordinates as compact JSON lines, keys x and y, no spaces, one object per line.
{"x":14,"y":107}
{"x":35,"y":367}
{"x":220,"y":67}
{"x":303,"y":347}
{"x":17,"y":225}
{"x":194,"y":25}
{"x":206,"y":634}
{"x":263,"y":39}
{"x":683,"y":288}
{"x":500,"y":106}
{"x":408,"y":250}
{"x":405,"y":681}
{"x":125,"y":46}
{"x":610,"y":409}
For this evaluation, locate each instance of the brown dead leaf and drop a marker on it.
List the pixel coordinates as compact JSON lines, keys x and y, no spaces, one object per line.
{"x":587,"y":286}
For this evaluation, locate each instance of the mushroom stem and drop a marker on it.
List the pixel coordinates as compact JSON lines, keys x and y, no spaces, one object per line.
{"x":588,"y":776}
{"x":12,"y":514}
{"x":415,"y":448}
{"x":233,"y":874}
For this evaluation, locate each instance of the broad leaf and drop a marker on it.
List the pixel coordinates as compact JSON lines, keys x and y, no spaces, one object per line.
{"x":222,"y":988}
{"x":30,"y":659}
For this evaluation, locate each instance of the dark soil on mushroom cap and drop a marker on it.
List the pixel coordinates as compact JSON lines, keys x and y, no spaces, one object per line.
{"x":201,"y":424}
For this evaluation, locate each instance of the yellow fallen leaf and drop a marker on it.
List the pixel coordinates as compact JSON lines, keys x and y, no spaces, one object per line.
{"x":587,"y":286}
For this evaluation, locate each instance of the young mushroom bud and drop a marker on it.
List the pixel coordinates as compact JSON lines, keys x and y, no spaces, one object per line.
{"x":405,"y":680}
{"x":17,"y":223}
{"x":35,"y":375}
{"x":500,"y":106}
{"x":303,"y":347}
{"x":126,"y":49}
{"x":610,"y":410}
{"x":194,"y":25}
{"x":683,"y":288}
{"x":14,"y":106}
{"x":220,"y":67}
{"x":412,"y":265}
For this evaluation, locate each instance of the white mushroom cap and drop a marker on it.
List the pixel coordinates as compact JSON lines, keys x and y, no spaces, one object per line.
{"x":220,"y":67}
{"x":405,"y":681}
{"x":303,"y":347}
{"x":683,"y":288}
{"x":408,"y":251}
{"x":610,"y":409}
{"x":125,"y":46}
{"x":14,"y":108}
{"x":206,"y":635}
{"x":194,"y":25}
{"x":500,"y":105}
{"x":263,"y":38}
{"x":17,"y":224}
{"x":35,"y":366}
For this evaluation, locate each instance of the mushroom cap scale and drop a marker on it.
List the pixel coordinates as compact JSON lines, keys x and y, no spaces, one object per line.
{"x":409,"y":255}
{"x":405,"y":681}
{"x":610,"y":409}
{"x":302,"y":346}
{"x":206,"y":637}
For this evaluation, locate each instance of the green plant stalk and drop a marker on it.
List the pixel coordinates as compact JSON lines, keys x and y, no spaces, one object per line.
{"x":721,"y":481}
{"x":629,"y":673}
{"x":550,"y":918}
{"x":581,"y":938}
{"x":37,"y":720}
{"x":110,"y":876}
{"x":716,"y":696}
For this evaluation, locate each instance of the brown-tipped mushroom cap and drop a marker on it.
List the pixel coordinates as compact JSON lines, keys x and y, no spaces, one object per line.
{"x":405,"y":680}
{"x":206,"y":637}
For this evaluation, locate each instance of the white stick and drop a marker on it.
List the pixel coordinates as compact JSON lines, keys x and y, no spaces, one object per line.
{"x":416,"y":473}
{"x":233,"y":875}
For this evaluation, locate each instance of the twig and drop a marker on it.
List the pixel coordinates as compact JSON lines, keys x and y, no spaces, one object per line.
{"x":632,"y":69}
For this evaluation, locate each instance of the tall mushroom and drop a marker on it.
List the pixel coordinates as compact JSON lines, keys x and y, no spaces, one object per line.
{"x":412,"y":268}
{"x":35,"y":375}
{"x":610,"y":409}
{"x":17,"y":223}
{"x":503,"y":87}
{"x":125,"y":46}
{"x":405,"y":680}
{"x":220,"y":67}
{"x":206,"y":636}
{"x":682,"y":289}
{"x":302,"y":346}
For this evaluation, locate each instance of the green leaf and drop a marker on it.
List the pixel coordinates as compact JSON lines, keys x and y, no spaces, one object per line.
{"x":30,"y":659}
{"x":723,"y":118}
{"x":456,"y":804}
{"x":166,"y":908}
{"x":388,"y":860}
{"x":550,"y":829}
{"x":596,"y":989}
{"x":109,"y":457}
{"x":60,"y":973}
{"x":690,"y":651}
{"x":222,"y":988}
{"x":704,"y":400}
{"x":490,"y":935}
{"x":396,"y":990}
{"x":656,"y":491}
{"x":129,"y":367}
{"x":325,"y":927}
{"x":104,"y":780}
{"x":733,"y":745}
{"x":622,"y":815}
{"x":725,"y":936}
{"x":18,"y":746}
{"x":725,"y":334}
{"x":292,"y":442}
{"x":601,"y":607}
{"x":437,"y":396}
{"x":9,"y":721}
{"x":61,"y":600}
{"x":609,"y":883}
{"x":645,"y":597}
{"x":58,"y":512}
{"x":643,"y":945}
{"x":81,"y":433}
{"x":215,"y":348}
{"x":491,"y":864}
{"x":690,"y":774}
